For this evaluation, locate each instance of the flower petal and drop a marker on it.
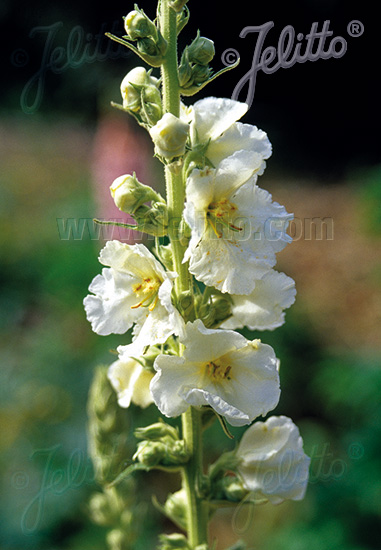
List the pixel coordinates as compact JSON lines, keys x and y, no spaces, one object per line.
{"x":263,"y":309}
{"x":212,"y":116}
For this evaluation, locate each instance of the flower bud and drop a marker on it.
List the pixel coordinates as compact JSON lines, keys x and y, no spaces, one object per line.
{"x":200,"y":74}
{"x":157,"y":431}
{"x":166,"y":255}
{"x":129,"y":194}
{"x":176,"y":507}
{"x":150,"y":453}
{"x":222,"y":306}
{"x":201,"y":50}
{"x":99,"y":508}
{"x":233,"y":489}
{"x":116,"y":539}
{"x":138,"y":25}
{"x":169,"y":136}
{"x":153,"y":220}
{"x":177,"y":5}
{"x":185,"y":303}
{"x":131,"y":86}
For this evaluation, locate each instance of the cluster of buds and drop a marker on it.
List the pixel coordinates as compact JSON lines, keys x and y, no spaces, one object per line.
{"x":160,"y":445}
{"x":141,"y":96}
{"x":149,"y":40}
{"x":194,"y":68}
{"x":131,"y":196}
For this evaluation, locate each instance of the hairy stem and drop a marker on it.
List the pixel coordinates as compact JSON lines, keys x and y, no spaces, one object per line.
{"x":175,"y":188}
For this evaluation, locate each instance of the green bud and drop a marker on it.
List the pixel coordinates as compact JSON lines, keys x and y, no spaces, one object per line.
{"x":185,"y":71}
{"x":201,"y":50}
{"x":233,"y":489}
{"x":176,"y":507}
{"x":153,"y":220}
{"x":222,"y":305}
{"x":129,"y":194}
{"x":200,"y":74}
{"x":150,"y":453}
{"x":116,"y":540}
{"x":185,"y":303}
{"x":166,"y":255}
{"x":138,"y":25}
{"x":99,"y":509}
{"x":175,"y":541}
{"x":177,"y":5}
{"x":151,"y":105}
{"x":157,"y":431}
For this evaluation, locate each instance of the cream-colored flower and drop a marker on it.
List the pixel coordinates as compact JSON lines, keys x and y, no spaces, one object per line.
{"x":213,"y":121}
{"x":131,"y":382}
{"x":238,"y":378}
{"x":236,"y":228}
{"x":134,"y":290}
{"x":273,"y":465}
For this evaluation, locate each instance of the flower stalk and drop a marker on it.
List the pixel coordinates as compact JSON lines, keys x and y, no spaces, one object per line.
{"x":175,"y":188}
{"x":185,"y":303}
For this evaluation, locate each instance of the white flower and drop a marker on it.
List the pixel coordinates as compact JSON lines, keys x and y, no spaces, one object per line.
{"x":263,"y":309}
{"x":236,"y":228}
{"x":135,"y":289}
{"x":214,"y":119}
{"x":220,"y":368}
{"x":131,"y":382}
{"x":273,"y":464}
{"x":169,"y":136}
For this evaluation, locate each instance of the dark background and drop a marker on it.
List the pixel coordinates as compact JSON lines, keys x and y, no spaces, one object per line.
{"x":328,"y":108}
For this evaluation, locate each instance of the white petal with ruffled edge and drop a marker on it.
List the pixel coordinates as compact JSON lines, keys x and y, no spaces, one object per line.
{"x":118,"y":301}
{"x":263,"y":309}
{"x":239,"y":379}
{"x":232,"y":251}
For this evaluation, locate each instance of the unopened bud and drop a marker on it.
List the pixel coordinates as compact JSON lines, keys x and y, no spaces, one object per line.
{"x":169,"y":136}
{"x":176,"y":507}
{"x":200,"y":74}
{"x":177,"y":5}
{"x":150,"y":453}
{"x":116,"y":540}
{"x":129,"y":194}
{"x":133,"y":83}
{"x":138,"y":25}
{"x":185,"y":303}
{"x":157,"y":431}
{"x":233,"y":489}
{"x":201,"y":50}
{"x":153,"y":220}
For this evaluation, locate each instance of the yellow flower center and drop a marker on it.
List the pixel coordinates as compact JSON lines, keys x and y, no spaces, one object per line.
{"x":147,"y":293}
{"x":218,"y":372}
{"x":221,"y":213}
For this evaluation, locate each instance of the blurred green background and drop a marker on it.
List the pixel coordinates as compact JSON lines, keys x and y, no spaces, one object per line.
{"x":61,"y":145}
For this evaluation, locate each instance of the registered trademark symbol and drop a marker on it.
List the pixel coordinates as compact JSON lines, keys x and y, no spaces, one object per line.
{"x":355,"y":451}
{"x":355,"y":28}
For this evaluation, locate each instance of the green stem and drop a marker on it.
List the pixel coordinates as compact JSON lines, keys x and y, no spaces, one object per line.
{"x":197,"y":518}
{"x":175,"y":188}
